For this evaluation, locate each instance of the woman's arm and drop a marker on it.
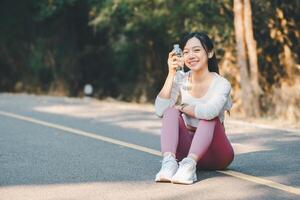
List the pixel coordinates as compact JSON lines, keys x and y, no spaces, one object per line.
{"x":213,"y":107}
{"x":169,"y":93}
{"x":167,"y":96}
{"x":187,"y":109}
{"x":173,"y":63}
{"x":215,"y":104}
{"x":165,"y":92}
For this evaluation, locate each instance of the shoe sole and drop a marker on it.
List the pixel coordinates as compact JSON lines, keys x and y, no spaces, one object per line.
{"x":162,"y":179}
{"x":184,"y":182}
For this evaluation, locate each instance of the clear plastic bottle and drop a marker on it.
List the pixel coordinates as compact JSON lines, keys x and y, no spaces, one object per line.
{"x":179,"y":70}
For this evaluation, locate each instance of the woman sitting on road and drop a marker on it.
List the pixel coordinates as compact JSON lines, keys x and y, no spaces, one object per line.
{"x":193,"y":132}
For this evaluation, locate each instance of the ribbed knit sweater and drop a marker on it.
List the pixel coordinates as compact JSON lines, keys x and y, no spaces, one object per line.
{"x":214,"y":103}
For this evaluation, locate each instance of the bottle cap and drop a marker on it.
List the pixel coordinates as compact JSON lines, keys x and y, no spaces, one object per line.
{"x":176,"y":46}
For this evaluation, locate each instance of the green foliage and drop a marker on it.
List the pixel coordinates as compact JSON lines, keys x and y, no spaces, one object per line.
{"x":48,"y":8}
{"x":150,"y":28}
{"x":36,"y":58}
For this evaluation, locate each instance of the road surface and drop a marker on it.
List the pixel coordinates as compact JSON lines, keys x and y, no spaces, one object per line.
{"x":59,"y":148}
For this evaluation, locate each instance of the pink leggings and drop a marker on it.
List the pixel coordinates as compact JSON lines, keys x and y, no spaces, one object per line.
{"x":209,"y":142}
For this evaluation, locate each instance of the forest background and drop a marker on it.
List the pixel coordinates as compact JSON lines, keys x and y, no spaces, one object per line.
{"x":120,"y":47}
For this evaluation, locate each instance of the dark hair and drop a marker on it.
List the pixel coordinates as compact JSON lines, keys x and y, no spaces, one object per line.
{"x":208,"y":47}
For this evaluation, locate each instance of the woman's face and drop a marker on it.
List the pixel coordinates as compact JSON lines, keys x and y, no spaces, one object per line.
{"x":194,"y":55}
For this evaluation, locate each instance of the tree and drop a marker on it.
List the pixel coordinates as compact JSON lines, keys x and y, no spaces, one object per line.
{"x":252,"y":56}
{"x":247,"y":57}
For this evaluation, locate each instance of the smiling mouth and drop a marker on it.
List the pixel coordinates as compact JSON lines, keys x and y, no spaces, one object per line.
{"x":193,"y":63}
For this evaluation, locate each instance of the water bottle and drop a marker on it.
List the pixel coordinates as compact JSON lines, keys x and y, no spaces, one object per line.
{"x":179,"y":70}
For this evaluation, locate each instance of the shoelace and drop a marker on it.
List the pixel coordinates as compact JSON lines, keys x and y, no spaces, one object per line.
{"x":168,"y":162}
{"x":186,"y":163}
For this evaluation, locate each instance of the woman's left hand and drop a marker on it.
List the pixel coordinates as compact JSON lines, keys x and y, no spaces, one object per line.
{"x":187,"y":109}
{"x":178,"y":107}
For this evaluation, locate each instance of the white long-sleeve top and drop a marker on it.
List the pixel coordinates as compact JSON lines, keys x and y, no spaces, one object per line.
{"x":214,"y":103}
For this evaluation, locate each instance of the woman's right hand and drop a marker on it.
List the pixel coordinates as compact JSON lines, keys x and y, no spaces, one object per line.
{"x":174,"y":62}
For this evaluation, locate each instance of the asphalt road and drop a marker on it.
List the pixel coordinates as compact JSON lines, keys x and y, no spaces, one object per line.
{"x":66,"y":148}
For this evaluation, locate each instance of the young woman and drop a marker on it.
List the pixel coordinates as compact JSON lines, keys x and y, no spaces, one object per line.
{"x":193,"y":132}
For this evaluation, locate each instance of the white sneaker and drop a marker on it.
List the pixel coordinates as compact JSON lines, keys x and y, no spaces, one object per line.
{"x":168,"y":169}
{"x":186,"y":173}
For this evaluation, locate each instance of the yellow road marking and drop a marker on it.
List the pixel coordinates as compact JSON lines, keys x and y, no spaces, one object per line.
{"x":235,"y":174}
{"x":262,"y":181}
{"x":83,"y":133}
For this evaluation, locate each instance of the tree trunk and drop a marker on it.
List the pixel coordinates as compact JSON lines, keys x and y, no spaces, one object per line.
{"x":252,"y":56}
{"x":288,"y":61}
{"x":242,"y":56}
